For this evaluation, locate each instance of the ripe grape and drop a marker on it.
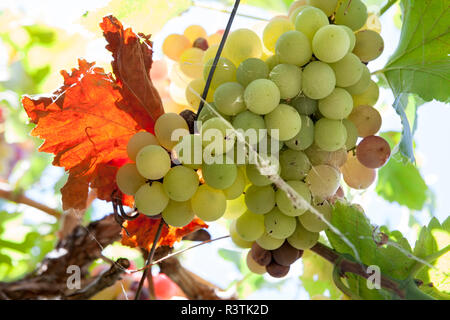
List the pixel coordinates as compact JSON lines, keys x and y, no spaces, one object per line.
{"x":138,"y":141}
{"x":294,"y":165}
{"x":294,"y":13}
{"x":362,"y":84}
{"x":352,"y":134}
{"x":312,"y":222}
{"x":253,"y":266}
{"x":194,"y":32}
{"x":276,"y":270}
{"x":348,"y":70}
{"x":210,"y":53}
{"x":153,"y":162}
{"x":273,"y":61}
{"x":309,"y":20}
{"x":294,"y":47}
{"x":215,"y":38}
{"x":286,"y":120}
{"x":373,"y":152}
{"x":260,"y":200}
{"x":287,"y":205}
{"x":356,"y":175}
{"x":352,"y":13}
{"x":337,"y":106}
{"x":367,"y":120}
{"x":217,"y":128}
{"x":288,"y":79}
{"x":180,"y":183}
{"x":189,"y":151}
{"x":238,"y":186}
{"x":248,"y":120}
{"x":323,"y":181}
{"x":255,"y":176}
{"x":191,"y":62}
{"x":208,"y":204}
{"x":229,"y":98}
{"x":273,"y":30}
{"x":318,"y":80}
{"x":303,"y":239}
{"x":251,"y":69}
{"x":242,"y":44}
{"x":174,"y":45}
{"x":151,"y":199}
{"x":327,"y":6}
{"x":279,"y":225}
{"x":178,"y":214}
{"x":128,"y":179}
{"x":262,"y":96}
{"x":368,"y":97}
{"x":194,"y":91}
{"x":295,"y":5}
{"x":369,"y":45}
{"x":332,"y":158}
{"x":170,"y":124}
{"x":250,"y":226}
{"x":235,"y":208}
{"x":305,"y":137}
{"x":236,"y":238}
{"x":286,"y":254}
{"x":330,"y":135}
{"x":260,"y":255}
{"x":201,"y":43}
{"x":266,"y":241}
{"x":351,"y":36}
{"x":220,"y":175}
{"x":225,"y":72}
{"x":304,"y":105}
{"x":331,"y":43}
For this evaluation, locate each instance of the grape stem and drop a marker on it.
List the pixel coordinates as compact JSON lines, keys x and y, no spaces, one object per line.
{"x":386,"y":7}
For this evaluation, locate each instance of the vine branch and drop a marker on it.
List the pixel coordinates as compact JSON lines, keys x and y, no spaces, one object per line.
{"x":22,"y":199}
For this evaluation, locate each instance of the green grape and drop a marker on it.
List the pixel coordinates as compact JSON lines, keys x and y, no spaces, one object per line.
{"x":368,"y":97}
{"x":169,"y":128}
{"x":266,"y":241}
{"x":294,"y":13}
{"x":351,"y":13}
{"x":305,"y":137}
{"x":330,"y":44}
{"x":225,"y":72}
{"x":248,"y":120}
{"x":178,"y":214}
{"x":189,"y":151}
{"x":180,"y":183}
{"x":238,"y":186}
{"x":369,"y":45}
{"x":323,"y":181}
{"x":209,"y":204}
{"x":250,"y":226}
{"x":304,"y":105}
{"x":309,"y":20}
{"x":294,"y":165}
{"x":191,"y":62}
{"x":337,"y":106}
{"x":253,"y":266}
{"x":292,"y":207}
{"x":262,"y":96}
{"x":303,"y":239}
{"x":286,"y":120}
{"x":327,"y":6}
{"x":220,"y":175}
{"x":235,"y":208}
{"x":153,"y":162}
{"x":128,"y":179}
{"x":210,"y":53}
{"x":138,"y":141}
{"x":318,"y":156}
{"x":348,"y":70}
{"x":229,"y":98}
{"x":273,"y":30}
{"x":362,"y":84}
{"x":194,"y":91}
{"x":250,"y":70}
{"x":260,"y":200}
{"x":330,"y":135}
{"x":217,"y":135}
{"x":151,"y":199}
{"x":351,"y":36}
{"x":210,"y":111}
{"x":279,"y":225}
{"x":288,"y":79}
{"x":294,"y":47}
{"x":367,"y":120}
{"x":352,"y":134}
{"x":273,"y":61}
{"x":236,"y":238}
{"x":312,"y":222}
{"x":242,"y":44}
{"x":255,"y":176}
{"x":318,"y":80}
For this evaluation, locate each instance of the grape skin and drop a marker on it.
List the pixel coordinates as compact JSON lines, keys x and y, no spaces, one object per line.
{"x":237,"y":240}
{"x":180,"y":183}
{"x":251,"y":69}
{"x":165,"y":127}
{"x":294,"y":165}
{"x":262,"y":96}
{"x":178,"y":214}
{"x":373,"y":152}
{"x":260,"y":200}
{"x":323,"y":181}
{"x":309,"y":20}
{"x":208,"y":204}
{"x":352,"y":13}
{"x":151,"y":199}
{"x":337,"y":106}
{"x":286,"y":120}
{"x":288,"y":79}
{"x":242,"y":44}
{"x":369,"y":45}
{"x":305,"y":137}
{"x":266,"y":241}
{"x":286,"y":254}
{"x":138,"y":141}
{"x":153,"y":162}
{"x":318,"y":80}
{"x":286,"y":205}
{"x":356,"y":175}
{"x":273,"y":30}
{"x":331,"y":43}
{"x":253,"y":266}
{"x":312,"y":222}
{"x":128,"y":179}
{"x":276,"y":270}
{"x":367,"y":120}
{"x":294,"y":47}
{"x":250,"y":226}
{"x":303,"y":239}
{"x":260,"y":255}
{"x":279,"y":225}
{"x":348,"y":70}
{"x":330,"y":135}
{"x":225,"y":72}
{"x":229,"y":98}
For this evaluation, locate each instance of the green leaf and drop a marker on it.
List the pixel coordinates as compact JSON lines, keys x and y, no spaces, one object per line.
{"x":421,"y":64}
{"x":232,"y":256}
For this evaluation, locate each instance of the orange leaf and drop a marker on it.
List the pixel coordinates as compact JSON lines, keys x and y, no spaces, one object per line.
{"x":143,"y":229}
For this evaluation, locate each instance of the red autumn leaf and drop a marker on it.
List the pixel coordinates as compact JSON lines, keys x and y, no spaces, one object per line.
{"x":143,"y":229}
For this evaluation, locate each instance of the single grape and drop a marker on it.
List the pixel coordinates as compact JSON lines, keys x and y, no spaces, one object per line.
{"x":327,"y":6}
{"x":332,"y":158}
{"x":255,"y":176}
{"x":242,"y":44}
{"x":220,"y":174}
{"x":217,"y":135}
{"x":286,"y":120}
{"x":303,"y":239}
{"x":362,"y":84}
{"x":248,"y":120}
{"x":294,"y":47}
{"x":180,"y":183}
{"x":304,"y":105}
{"x":288,"y":205}
{"x":356,"y":175}
{"x":174,"y":45}
{"x":305,"y":137}
{"x":191,"y":62}
{"x":368,"y":97}
{"x":286,"y":254}
{"x":169,"y":128}
{"x":189,"y":151}
{"x":276,"y":270}
{"x":194,"y":32}
{"x":348,"y":70}
{"x":153,"y":162}
{"x":294,"y":13}
{"x":262,"y":96}
{"x":294,"y":165}
{"x":369,"y":45}
{"x":225,"y":72}
{"x":235,"y":207}
{"x":351,"y":36}
{"x":260,"y":200}
{"x":318,"y":80}
{"x":151,"y":199}
{"x":288,"y":79}
{"x":138,"y":141}
{"x":251,"y":69}
{"x":209,"y":204}
{"x":337,"y":106}
{"x":296,"y":4}
{"x":178,"y":214}
{"x":323,"y":181}
{"x":236,"y":238}
{"x":312,"y":222}
{"x":272,"y":61}
{"x":260,"y":255}
{"x":266,"y":241}
{"x":201,"y":43}
{"x":330,"y":135}
{"x":238,"y":186}
{"x":373,"y":152}
{"x":279,"y":225}
{"x":331,"y":43}
{"x":210,"y":53}
{"x":309,"y":20}
{"x":253,"y":266}
{"x":273,"y":30}
{"x":250,"y":226}
{"x":194,"y":92}
{"x":128,"y":179}
{"x":367,"y":120}
{"x":352,"y":134}
{"x":352,"y":13}
{"x":229,"y":98}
